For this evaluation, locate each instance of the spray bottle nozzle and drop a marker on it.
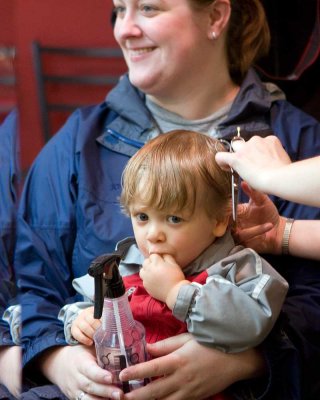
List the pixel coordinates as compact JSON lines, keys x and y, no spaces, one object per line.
{"x":107,"y":279}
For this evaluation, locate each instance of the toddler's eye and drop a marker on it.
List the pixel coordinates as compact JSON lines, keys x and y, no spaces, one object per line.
{"x":174,"y":219}
{"x":142,"y":217}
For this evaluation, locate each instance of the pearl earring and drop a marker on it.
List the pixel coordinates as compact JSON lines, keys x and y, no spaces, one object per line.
{"x":213,"y":35}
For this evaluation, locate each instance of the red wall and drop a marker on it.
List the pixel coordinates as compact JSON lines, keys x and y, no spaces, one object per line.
{"x":7,"y":93}
{"x":7,"y":8}
{"x":83,"y":23}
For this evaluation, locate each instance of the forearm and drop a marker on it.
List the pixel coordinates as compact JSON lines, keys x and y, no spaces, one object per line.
{"x":249,"y":364}
{"x":304,"y":239}
{"x":298,"y":182}
{"x":172,"y":296}
{"x":10,"y":369}
{"x":50,"y":362}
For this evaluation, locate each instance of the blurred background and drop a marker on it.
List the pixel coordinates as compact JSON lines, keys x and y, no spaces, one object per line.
{"x":56,"y":55}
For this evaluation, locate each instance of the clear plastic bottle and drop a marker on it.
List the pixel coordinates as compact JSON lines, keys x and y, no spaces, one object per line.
{"x":120,"y":340}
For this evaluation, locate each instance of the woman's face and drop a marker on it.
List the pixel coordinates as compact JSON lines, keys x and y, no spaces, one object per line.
{"x":164,"y":43}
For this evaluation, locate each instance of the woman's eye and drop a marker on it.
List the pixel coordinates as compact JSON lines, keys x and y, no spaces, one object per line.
{"x":118,"y":11}
{"x":148,"y":9}
{"x":174,"y":219}
{"x":142,"y":217}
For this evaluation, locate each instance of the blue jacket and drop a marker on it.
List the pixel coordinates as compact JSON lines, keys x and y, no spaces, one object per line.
{"x":69,"y":214}
{"x":9,"y":174}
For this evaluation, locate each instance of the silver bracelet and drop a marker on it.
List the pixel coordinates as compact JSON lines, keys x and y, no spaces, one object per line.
{"x":286,"y":236}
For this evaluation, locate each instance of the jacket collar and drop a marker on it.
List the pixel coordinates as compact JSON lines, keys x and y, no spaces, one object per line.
{"x":129,"y":103}
{"x":133,"y":120}
{"x":251,"y":107}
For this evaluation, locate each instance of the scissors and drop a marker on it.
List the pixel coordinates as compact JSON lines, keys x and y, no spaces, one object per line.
{"x":235,"y":179}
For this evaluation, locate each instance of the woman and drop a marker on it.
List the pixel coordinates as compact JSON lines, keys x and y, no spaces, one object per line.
{"x":188,"y":67}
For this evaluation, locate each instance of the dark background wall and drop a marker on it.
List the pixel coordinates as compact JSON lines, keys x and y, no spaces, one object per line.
{"x":293,"y":62}
{"x":85,"y":23}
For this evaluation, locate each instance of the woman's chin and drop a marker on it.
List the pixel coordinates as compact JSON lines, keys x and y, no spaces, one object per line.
{"x":144,"y":82}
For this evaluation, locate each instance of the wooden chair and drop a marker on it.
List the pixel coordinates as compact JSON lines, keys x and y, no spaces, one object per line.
{"x":70,"y":77}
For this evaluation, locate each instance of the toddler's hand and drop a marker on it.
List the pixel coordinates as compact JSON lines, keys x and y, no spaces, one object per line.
{"x":160,"y":273}
{"x":84,"y":326}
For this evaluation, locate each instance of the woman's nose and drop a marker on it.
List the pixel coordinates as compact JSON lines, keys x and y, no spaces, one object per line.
{"x":127,"y":26}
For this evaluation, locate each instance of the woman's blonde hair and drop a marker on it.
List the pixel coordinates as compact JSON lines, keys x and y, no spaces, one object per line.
{"x":248,"y":35}
{"x":175,"y":171}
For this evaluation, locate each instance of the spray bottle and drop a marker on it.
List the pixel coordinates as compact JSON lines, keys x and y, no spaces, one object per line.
{"x":120,"y":340}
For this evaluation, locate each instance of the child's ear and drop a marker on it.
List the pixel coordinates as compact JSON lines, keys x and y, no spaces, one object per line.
{"x":220,"y":227}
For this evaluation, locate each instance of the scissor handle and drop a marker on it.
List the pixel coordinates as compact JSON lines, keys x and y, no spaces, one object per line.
{"x":236,"y":140}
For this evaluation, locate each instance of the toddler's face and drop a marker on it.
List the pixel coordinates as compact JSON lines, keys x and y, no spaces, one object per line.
{"x":183,"y":235}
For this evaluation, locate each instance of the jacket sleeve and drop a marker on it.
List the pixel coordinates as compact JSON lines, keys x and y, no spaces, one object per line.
{"x":9,"y":177}
{"x":45,"y":239}
{"x":12,"y":316}
{"x":237,"y":306}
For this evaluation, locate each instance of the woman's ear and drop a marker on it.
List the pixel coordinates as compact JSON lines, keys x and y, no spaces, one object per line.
{"x":220,"y":11}
{"x":220,"y":227}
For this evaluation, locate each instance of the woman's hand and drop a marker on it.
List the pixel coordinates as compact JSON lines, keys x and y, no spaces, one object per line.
{"x":256,"y":161}
{"x":190,"y":371}
{"x":10,"y":369}
{"x":84,"y":326}
{"x":74,"y":369}
{"x":259,"y":224}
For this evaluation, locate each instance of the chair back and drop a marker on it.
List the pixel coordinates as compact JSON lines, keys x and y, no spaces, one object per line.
{"x":71,"y":77}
